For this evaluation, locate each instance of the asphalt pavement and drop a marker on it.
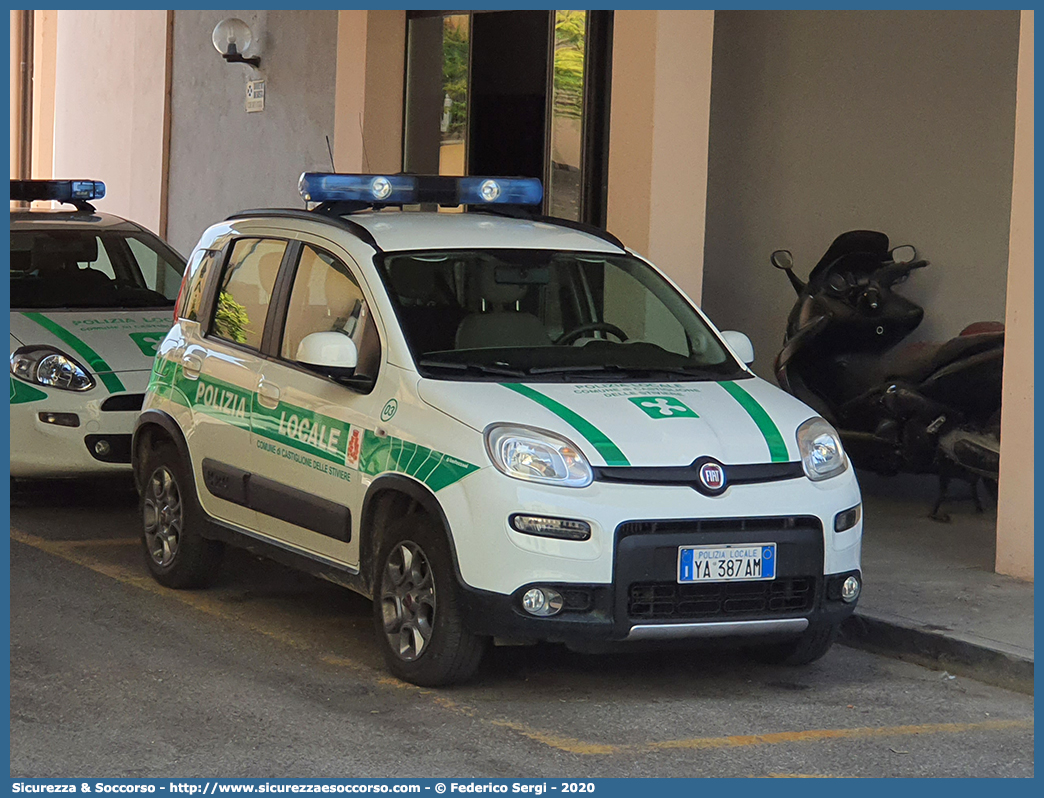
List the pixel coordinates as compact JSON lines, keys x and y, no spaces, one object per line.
{"x":274,"y":673}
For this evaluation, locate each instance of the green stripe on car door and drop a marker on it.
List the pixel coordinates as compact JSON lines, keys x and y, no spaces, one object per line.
{"x":776,"y":445}
{"x":609,"y":451}
{"x":93,"y":360}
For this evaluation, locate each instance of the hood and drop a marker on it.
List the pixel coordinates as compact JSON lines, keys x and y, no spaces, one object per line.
{"x":103,"y":341}
{"x":639,"y":424}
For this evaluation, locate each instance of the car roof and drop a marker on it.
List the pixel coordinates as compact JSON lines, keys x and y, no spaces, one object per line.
{"x":60,"y":218}
{"x":396,"y":230}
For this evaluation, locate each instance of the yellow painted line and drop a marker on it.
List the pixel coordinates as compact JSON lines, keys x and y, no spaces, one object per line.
{"x":198,"y":601}
{"x":570,"y":745}
{"x":102,"y":542}
{"x":819,"y":735}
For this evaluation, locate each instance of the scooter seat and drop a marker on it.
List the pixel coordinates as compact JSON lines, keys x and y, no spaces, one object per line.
{"x":916,"y":362}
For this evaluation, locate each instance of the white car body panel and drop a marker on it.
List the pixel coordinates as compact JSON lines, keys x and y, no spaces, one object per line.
{"x":434,"y":434}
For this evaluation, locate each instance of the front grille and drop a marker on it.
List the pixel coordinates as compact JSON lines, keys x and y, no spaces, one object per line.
{"x":669,"y":601}
{"x":701,"y":525}
{"x":123,"y":402}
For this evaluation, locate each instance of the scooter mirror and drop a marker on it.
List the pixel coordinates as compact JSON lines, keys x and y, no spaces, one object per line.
{"x":904,"y":254}
{"x":782,"y":259}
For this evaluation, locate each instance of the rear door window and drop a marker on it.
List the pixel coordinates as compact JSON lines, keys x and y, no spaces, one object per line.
{"x":245,"y":291}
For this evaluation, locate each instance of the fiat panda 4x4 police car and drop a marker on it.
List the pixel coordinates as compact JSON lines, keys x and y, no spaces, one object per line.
{"x":496,"y":425}
{"x":91,"y":296}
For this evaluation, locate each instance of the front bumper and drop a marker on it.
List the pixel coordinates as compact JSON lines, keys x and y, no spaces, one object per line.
{"x":621,"y":584}
{"x":40,"y":449}
{"x":645,"y":602}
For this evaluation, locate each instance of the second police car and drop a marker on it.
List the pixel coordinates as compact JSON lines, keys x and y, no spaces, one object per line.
{"x":91,"y":297}
{"x":496,"y":425}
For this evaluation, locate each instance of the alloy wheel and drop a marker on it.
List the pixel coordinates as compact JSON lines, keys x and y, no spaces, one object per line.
{"x":408,"y":600}
{"x":162,"y":516}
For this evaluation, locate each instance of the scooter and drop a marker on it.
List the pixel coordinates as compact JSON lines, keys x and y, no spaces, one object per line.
{"x":920,"y":408}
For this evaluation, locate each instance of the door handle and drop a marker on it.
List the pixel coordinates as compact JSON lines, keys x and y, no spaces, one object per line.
{"x":267,"y":394}
{"x":191,"y":366}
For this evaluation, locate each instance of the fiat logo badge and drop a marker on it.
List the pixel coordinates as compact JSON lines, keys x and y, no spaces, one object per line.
{"x":712,"y":476}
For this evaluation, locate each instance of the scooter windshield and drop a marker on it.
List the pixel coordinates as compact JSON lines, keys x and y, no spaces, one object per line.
{"x":570,"y":316}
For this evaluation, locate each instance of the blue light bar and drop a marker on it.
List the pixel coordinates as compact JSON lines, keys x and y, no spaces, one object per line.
{"x":72,"y":191}
{"x":383,"y":190}
{"x":500,"y":190}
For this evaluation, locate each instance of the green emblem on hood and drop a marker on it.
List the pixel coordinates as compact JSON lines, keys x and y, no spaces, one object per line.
{"x":148,"y":341}
{"x":662,"y":407}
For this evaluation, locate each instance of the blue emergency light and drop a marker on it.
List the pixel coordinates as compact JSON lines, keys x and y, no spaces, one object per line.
{"x":384,"y":190}
{"x":75,"y":192}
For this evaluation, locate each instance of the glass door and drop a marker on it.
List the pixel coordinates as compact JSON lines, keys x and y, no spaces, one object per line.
{"x":521,"y":93}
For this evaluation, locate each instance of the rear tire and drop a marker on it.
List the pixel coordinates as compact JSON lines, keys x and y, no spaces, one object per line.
{"x":176,"y":554}
{"x":416,"y":608}
{"x":810,"y":646}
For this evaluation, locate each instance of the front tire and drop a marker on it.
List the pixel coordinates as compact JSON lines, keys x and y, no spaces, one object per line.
{"x":176,"y":554}
{"x":810,"y":646}
{"x":416,"y":608}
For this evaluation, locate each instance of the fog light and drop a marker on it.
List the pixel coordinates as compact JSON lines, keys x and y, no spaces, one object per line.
{"x":542,"y":601}
{"x":565,"y":528}
{"x":850,"y":589}
{"x":60,"y":419}
{"x":848,"y":518}
{"x":102,"y":448}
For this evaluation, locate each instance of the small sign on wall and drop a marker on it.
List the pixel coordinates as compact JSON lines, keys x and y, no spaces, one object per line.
{"x":255,"y":96}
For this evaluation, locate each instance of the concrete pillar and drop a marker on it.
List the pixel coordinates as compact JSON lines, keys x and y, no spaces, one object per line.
{"x":371,"y":60}
{"x":45,"y":53}
{"x":658,"y":138}
{"x":1015,"y":509}
{"x":110,"y":104}
{"x":21,"y":108}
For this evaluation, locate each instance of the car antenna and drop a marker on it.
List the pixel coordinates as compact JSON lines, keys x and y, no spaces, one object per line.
{"x":329,"y":149}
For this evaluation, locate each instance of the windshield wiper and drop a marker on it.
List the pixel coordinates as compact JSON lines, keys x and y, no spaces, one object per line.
{"x":616,"y":368}
{"x":482,"y":367}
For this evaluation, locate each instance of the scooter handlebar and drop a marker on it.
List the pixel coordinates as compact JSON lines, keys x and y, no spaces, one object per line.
{"x":890,"y":275}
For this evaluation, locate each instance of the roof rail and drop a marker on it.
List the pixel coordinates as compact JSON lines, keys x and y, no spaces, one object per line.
{"x":354,"y":228}
{"x":518,"y":212}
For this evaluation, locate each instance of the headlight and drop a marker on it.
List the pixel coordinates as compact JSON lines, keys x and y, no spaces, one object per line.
{"x":46,"y":366}
{"x":821,"y":452}
{"x":537,"y":456}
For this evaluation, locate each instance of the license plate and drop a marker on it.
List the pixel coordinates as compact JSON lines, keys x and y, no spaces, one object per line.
{"x":738,"y":563}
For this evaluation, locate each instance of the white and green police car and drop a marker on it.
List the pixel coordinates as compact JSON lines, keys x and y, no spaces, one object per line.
{"x":91,"y":296}
{"x":497,"y":425}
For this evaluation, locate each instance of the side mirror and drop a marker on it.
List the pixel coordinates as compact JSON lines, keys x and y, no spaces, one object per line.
{"x":903,"y":254}
{"x":740,"y":344}
{"x":782,"y":259}
{"x":330,"y":353}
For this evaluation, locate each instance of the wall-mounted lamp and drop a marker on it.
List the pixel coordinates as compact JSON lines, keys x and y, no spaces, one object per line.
{"x":232,"y":38}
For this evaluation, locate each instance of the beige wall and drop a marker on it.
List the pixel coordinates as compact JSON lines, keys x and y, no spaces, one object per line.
{"x":827,"y":121}
{"x":1015,"y":510}
{"x":109,"y":118}
{"x":658,"y":138}
{"x":45,"y":53}
{"x":369,"y":91}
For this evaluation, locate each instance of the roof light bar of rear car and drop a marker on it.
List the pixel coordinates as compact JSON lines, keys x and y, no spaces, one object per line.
{"x":378,"y":191}
{"x":73,"y":192}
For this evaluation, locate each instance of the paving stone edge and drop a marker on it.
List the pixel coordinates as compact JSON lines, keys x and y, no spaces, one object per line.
{"x":939,"y":651}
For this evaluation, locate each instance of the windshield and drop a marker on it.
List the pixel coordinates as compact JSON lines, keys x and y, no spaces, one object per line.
{"x":571,"y":316}
{"x":56,"y":269}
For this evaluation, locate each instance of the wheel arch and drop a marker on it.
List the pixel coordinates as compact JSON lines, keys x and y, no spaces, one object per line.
{"x":154,"y":425}
{"x":389,"y":497}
